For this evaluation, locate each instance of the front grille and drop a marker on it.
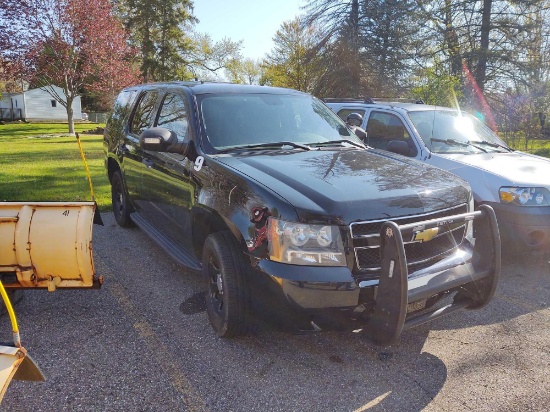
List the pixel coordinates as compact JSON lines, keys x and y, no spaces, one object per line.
{"x":366,"y":241}
{"x":370,"y":228}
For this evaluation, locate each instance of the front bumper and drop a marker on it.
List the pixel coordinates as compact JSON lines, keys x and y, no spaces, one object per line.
{"x":307,"y":292}
{"x":526,"y":227}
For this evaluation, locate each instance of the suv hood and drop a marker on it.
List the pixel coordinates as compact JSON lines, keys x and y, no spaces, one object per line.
{"x":517,"y":168}
{"x":488,"y":172}
{"x":346,"y":185}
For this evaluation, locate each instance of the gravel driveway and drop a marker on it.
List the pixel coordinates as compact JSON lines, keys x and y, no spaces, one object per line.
{"x":143,"y":343}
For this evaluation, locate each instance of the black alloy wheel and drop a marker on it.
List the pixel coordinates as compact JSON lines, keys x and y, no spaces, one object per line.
{"x":121,"y":205}
{"x":227,"y":295}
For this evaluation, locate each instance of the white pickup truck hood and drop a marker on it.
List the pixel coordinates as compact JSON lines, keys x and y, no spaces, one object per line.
{"x":487,"y":172}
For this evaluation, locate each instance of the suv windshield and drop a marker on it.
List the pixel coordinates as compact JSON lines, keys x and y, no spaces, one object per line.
{"x":255,"y":121}
{"x":449,"y":131}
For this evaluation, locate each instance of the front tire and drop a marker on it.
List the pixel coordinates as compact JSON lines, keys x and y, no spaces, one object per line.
{"x":227,"y":296}
{"x":119,"y":197}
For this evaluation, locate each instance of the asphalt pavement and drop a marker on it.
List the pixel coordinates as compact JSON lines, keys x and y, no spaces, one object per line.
{"x":143,"y":343}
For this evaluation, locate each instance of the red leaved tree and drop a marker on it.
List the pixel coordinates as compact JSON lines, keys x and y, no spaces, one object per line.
{"x":73,"y":44}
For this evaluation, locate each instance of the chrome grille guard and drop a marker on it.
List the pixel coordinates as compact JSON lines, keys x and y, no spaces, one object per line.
{"x":395,"y":290}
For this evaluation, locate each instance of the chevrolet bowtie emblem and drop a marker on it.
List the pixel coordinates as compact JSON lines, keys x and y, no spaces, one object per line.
{"x":425,"y":235}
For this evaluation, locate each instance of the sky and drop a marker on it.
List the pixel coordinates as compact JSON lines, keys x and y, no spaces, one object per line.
{"x":255,"y":22}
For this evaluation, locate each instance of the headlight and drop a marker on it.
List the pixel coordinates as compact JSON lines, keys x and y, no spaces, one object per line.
{"x":301,"y":244}
{"x":525,"y":196}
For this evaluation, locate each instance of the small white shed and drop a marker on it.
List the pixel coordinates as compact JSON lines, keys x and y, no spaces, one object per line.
{"x":37,"y":104}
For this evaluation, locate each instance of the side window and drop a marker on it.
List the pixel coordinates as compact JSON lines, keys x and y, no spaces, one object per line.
{"x":385,"y":127}
{"x":122,"y":106}
{"x":344,"y":113}
{"x":143,"y":116}
{"x":173,"y":116}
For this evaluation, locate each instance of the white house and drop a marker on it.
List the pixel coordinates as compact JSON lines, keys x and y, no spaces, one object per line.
{"x":37,"y":104}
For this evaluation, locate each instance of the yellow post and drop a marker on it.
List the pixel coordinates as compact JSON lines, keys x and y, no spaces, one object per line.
{"x":85,"y":166}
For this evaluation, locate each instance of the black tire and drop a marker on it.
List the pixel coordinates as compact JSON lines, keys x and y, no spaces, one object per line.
{"x":119,"y":196}
{"x":227,"y":295}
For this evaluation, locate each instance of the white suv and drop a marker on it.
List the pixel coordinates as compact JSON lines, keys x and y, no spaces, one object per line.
{"x":515,"y":184}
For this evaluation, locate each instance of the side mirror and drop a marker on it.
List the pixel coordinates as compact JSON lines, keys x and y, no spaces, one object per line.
{"x":157,"y":139}
{"x":343,"y":131}
{"x":399,"y":147}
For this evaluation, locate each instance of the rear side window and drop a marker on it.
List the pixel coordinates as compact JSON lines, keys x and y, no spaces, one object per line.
{"x":344,"y":113}
{"x":144,"y":113}
{"x":173,"y":116}
{"x":122,"y":106}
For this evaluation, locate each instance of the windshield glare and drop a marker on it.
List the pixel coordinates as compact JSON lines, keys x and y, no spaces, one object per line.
{"x":234,"y":120}
{"x":452,"y":125}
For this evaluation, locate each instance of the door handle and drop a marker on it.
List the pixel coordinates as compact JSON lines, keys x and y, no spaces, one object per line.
{"x":147,"y":162}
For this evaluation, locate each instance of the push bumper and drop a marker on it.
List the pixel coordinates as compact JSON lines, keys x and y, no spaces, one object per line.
{"x":472,"y":272}
{"x":395,"y":290}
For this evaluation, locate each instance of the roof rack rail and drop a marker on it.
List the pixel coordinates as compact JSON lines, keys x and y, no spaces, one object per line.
{"x":397,"y":99}
{"x":347,"y":99}
{"x":371,"y":100}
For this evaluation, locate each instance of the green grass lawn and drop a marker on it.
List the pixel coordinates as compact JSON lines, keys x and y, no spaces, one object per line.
{"x":41,"y":162}
{"x":539,"y":147}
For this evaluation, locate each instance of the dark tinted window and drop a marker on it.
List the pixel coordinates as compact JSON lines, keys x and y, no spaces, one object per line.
{"x":121,"y":108}
{"x":385,"y":127}
{"x":143,"y":116}
{"x":234,"y":120}
{"x":173,"y":116}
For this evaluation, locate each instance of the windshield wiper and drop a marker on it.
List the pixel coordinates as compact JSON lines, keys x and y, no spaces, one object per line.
{"x":334,"y":142}
{"x":264,"y":146}
{"x":496,"y":145}
{"x":453,"y":142}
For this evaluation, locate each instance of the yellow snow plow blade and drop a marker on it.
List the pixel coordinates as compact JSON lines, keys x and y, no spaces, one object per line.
{"x":47,"y":245}
{"x":16,"y":364}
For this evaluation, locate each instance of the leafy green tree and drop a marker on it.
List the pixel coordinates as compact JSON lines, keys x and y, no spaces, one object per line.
{"x":245,"y":71}
{"x":158,"y":29}
{"x":434,"y":85}
{"x":293,"y":62}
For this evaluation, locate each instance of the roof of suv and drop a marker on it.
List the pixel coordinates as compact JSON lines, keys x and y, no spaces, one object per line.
{"x":199,"y":87}
{"x":409,"y":105}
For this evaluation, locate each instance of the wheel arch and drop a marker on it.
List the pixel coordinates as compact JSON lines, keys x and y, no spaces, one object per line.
{"x":112,"y":167}
{"x":207,"y":221}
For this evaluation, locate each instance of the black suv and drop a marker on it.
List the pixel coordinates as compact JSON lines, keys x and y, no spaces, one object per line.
{"x":270,"y":195}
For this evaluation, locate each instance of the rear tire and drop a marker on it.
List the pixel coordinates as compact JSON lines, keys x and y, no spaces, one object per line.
{"x":119,"y":196}
{"x":227,"y":296}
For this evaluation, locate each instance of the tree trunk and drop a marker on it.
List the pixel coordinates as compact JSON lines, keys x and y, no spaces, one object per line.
{"x":70,"y":114}
{"x":481,"y":67}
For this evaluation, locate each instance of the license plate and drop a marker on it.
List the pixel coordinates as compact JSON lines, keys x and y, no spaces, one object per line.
{"x":414,"y":306}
